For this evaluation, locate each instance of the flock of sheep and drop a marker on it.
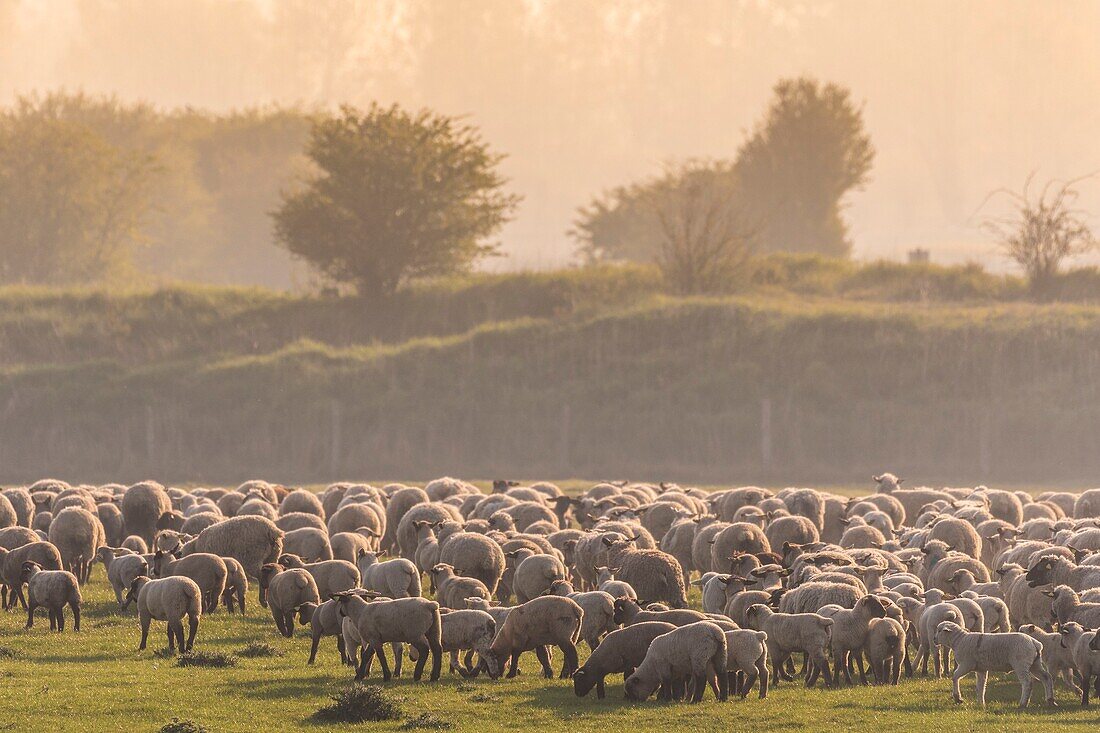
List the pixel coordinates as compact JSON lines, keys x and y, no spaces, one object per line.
{"x":997,"y":580}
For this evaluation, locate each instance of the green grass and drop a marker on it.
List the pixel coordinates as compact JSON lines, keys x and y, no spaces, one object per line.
{"x":97,"y":681}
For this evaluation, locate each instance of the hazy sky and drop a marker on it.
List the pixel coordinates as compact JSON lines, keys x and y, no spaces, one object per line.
{"x":960,"y":97}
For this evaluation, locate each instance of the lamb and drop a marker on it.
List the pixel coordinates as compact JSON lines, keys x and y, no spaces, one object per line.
{"x":598,"y":607}
{"x":11,"y":567}
{"x":347,"y":545}
{"x":620,"y":652}
{"x":110,"y":517}
{"x":133,"y":543}
{"x":167,"y":599}
{"x":452,"y":590}
{"x":122,"y":567}
{"x":885,"y":649}
{"x":208,"y":571}
{"x":474,"y":556}
{"x":77,"y":533}
{"x":697,"y":650}
{"x":605,"y":581}
{"x":534,"y":574}
{"x":1057,"y":657}
{"x":963,"y":580}
{"x":995,"y":615}
{"x":534,"y":625}
{"x":331,"y":576}
{"x":1066,"y":606}
{"x":746,"y":661}
{"x":323,"y":621}
{"x":849,"y":633}
{"x":251,"y":540}
{"x":236,"y":584}
{"x":142,"y":505}
{"x":53,"y":589}
{"x":414,"y":621}
{"x":308,"y":543}
{"x":1085,"y":647}
{"x":285,"y":591}
{"x":396,"y":578}
{"x":470,"y":631}
{"x":928,"y":620}
{"x":655,"y":575}
{"x":406,"y":529}
{"x":791,"y":632}
{"x":985,"y":653}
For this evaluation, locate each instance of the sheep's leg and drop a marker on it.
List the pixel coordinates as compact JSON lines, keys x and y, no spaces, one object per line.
{"x":60,"y":615}
{"x":858,"y":659}
{"x":30,"y":616}
{"x":341,"y":648}
{"x":960,"y":672}
{"x":601,"y":689}
{"x":171,"y":637}
{"x":398,"y":650}
{"x":777,"y":664}
{"x":454,"y":666}
{"x":316,"y":641}
{"x":946,"y":659}
{"x":842,"y":662}
{"x":544,"y":660}
{"x":823,"y":661}
{"x":75,"y":607}
{"x":571,"y":662}
{"x":934,"y":651}
{"x":193,"y":628}
{"x":380,"y":650}
{"x":240,"y":599}
{"x":145,"y":619}
{"x":699,"y":686}
{"x":437,"y":658}
{"x":513,"y":668}
{"x":365,"y":660}
{"x":421,"y":660}
{"x":1085,"y":689}
{"x":288,"y":623}
{"x":468,"y":663}
{"x":1047,"y":679}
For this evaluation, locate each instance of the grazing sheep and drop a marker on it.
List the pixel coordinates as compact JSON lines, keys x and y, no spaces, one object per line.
{"x":196,"y":523}
{"x":796,"y":530}
{"x":348,"y":545}
{"x":414,"y":621}
{"x":331,"y":576}
{"x":849,"y":633}
{"x":396,"y":578}
{"x":351,"y":517}
{"x":400,"y":502}
{"x":77,"y":533}
{"x":697,"y":651}
{"x":208,"y":571}
{"x":406,"y":528}
{"x":285,"y":591}
{"x":885,"y":649}
{"x":323,"y":620}
{"x":167,"y":599}
{"x":474,"y":555}
{"x":746,"y":661}
{"x":114,"y":524}
{"x":52,"y":589}
{"x":452,"y":590}
{"x":1087,"y":504}
{"x":655,"y":575}
{"x":598,"y":607}
{"x":122,"y":567}
{"x":534,"y":574}
{"x":253,"y":541}
{"x":741,"y":537}
{"x":22,"y":504}
{"x":300,"y":520}
{"x":985,"y":653}
{"x":11,"y":567}
{"x":811,"y":597}
{"x":469,"y":631}
{"x":1057,"y":657}
{"x":535,"y":625}
{"x":606,"y":581}
{"x":792,"y":632}
{"x":620,"y":653}
{"x":308,"y":543}
{"x":142,"y":505}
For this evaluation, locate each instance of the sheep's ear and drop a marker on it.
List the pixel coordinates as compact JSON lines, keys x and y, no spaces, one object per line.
{"x":607,"y":541}
{"x":875,"y":478}
{"x":784,"y":572}
{"x":1048,"y":593}
{"x":381,"y":553}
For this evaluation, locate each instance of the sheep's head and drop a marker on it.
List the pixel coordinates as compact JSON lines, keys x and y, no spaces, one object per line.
{"x":625,"y":609}
{"x":135,"y":588}
{"x":873,"y":606}
{"x":946,"y":631}
{"x":28,"y":570}
{"x":267,"y":572}
{"x":288,"y":560}
{"x":583,"y":682}
{"x":639,"y":689}
{"x":1041,"y":572}
{"x":887,"y":483}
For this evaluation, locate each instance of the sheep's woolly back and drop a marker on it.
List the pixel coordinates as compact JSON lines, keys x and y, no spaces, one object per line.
{"x":251,"y":540}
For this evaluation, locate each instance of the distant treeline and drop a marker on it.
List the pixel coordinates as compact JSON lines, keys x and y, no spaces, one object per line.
{"x":543,"y":375}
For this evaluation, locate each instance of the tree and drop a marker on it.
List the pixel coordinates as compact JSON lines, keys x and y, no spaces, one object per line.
{"x":706,"y":242}
{"x":809,"y":151}
{"x":397,"y":195}
{"x":71,"y":203}
{"x":1042,"y":230}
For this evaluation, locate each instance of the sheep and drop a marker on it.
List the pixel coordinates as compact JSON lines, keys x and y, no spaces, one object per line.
{"x":849,"y":633}
{"x":985,"y":653}
{"x":348,"y":545}
{"x":995,"y":615}
{"x":1066,"y":606}
{"x":323,"y":621}
{"x":812,"y":596}
{"x":958,"y":534}
{"x":167,"y":599}
{"x":598,"y":607}
{"x":606,"y":581}
{"x":122,"y":567}
{"x":736,"y":538}
{"x":655,"y":575}
{"x":474,"y":556}
{"x":927,"y":618}
{"x":135,"y":544}
{"x":331,"y":576}
{"x":534,"y":625}
{"x":702,"y":543}
{"x":1085,"y":648}
{"x":77,"y":533}
{"x":258,"y":507}
{"x":400,"y":502}
{"x":534,"y":574}
{"x":142,"y":505}
{"x":300,"y":520}
{"x":791,"y":632}
{"x":1060,"y":571}
{"x":253,"y":541}
{"x":628,"y":612}
{"x":285,"y":590}
{"x":351,"y":517}
{"x":208,"y":571}
{"x":452,"y":590}
{"x":620,"y":652}
{"x":309,"y":543}
{"x":22,"y":504}
{"x":414,"y":621}
{"x":940,"y":563}
{"x":697,"y":650}
{"x":470,"y":631}
{"x":746,"y":661}
{"x":396,"y":578}
{"x":1057,"y":657}
{"x":42,"y":522}
{"x":406,"y":529}
{"x":53,"y":589}
{"x":301,"y":501}
{"x":196,"y":523}
{"x":426,"y":555}
{"x":11,"y":567}
{"x":236,"y":584}
{"x":1087,"y":504}
{"x":885,"y":648}
{"x":861,"y":536}
{"x":793,"y":529}
{"x":110,"y":517}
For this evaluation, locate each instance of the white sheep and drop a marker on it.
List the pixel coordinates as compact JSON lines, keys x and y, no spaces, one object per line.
{"x":52,"y":589}
{"x":984,"y":653}
{"x":167,"y":599}
{"x":697,"y":652}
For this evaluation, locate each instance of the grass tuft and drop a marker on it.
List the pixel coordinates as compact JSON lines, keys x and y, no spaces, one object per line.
{"x":426,"y":721}
{"x":6,"y":652}
{"x":485,"y":697}
{"x":206,"y":659}
{"x":259,"y":649}
{"x":360,"y":703}
{"x":183,"y":726}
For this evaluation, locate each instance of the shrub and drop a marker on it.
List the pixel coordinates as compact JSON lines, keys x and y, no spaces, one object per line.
{"x":259,"y":649}
{"x":183,"y":726}
{"x":206,"y":659}
{"x":359,"y":703}
{"x":425,"y":720}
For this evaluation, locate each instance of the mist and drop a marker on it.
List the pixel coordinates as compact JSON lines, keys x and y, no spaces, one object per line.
{"x":960,"y":99}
